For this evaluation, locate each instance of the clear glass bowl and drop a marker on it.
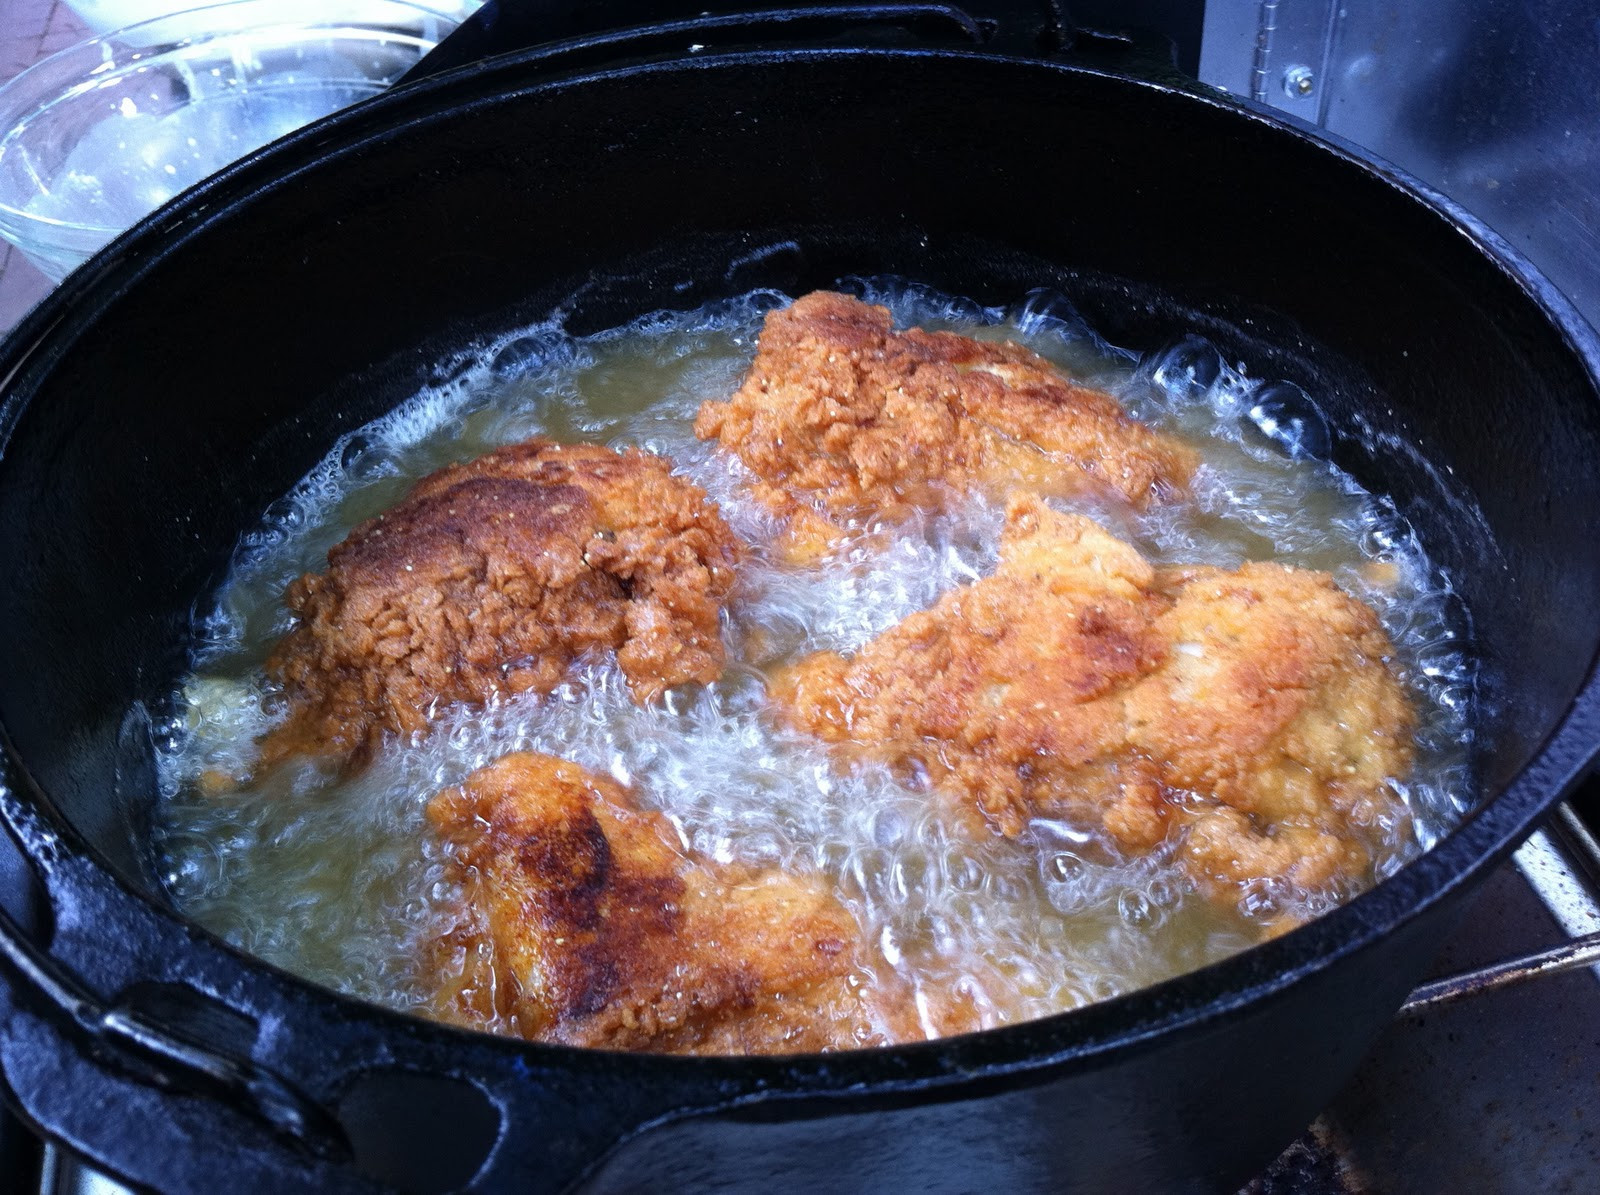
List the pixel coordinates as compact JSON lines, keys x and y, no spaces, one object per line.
{"x":102,"y":16}
{"x":101,"y":134}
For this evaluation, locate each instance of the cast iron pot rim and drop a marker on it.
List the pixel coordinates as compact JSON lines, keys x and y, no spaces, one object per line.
{"x":1188,"y":1001}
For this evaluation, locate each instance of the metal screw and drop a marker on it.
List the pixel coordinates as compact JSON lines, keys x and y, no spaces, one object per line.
{"x":1298,"y":82}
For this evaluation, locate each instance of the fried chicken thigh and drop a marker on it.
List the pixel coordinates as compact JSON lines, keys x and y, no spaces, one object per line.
{"x":493,"y":577}
{"x":584,"y":922}
{"x":842,"y":418}
{"x":1247,"y":714}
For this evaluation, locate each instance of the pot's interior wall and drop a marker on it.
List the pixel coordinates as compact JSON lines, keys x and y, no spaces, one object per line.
{"x":212,"y":383}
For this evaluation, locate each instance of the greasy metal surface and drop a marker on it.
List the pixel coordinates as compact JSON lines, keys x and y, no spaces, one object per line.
{"x":1314,"y":1164}
{"x":1522,"y":969}
{"x":1497,"y":1093}
{"x":1560,"y":863}
{"x":63,"y":1174}
{"x":1495,"y":102}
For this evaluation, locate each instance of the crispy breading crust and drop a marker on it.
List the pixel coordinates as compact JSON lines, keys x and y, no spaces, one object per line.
{"x":1252,"y":708}
{"x":492,"y":577}
{"x":1287,"y":718}
{"x":842,"y":418}
{"x":584,"y":922}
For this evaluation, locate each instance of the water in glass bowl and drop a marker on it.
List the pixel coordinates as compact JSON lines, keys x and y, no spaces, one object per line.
{"x":100,"y":135}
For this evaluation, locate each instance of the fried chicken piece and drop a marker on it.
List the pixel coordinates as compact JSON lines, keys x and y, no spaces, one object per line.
{"x":1251,"y":710}
{"x":1006,"y":690}
{"x":585,"y":923}
{"x":843,"y":418}
{"x":1276,"y":703}
{"x":492,"y":577}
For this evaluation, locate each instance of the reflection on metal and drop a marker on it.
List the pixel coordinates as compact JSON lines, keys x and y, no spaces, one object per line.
{"x":1569,"y":955}
{"x":1494,"y":102}
{"x":1553,"y":863}
{"x":1585,"y":846}
{"x":1249,"y":47}
{"x":1560,"y":864}
{"x":63,"y":1174}
{"x":1266,"y":26}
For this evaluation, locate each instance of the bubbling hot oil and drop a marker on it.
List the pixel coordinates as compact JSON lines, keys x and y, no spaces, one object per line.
{"x":343,"y":883}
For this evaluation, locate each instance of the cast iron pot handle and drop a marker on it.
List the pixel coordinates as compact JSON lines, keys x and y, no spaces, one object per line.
{"x":538,"y":1118}
{"x":159,"y":1054}
{"x":573,"y":31}
{"x":151,"y":1050}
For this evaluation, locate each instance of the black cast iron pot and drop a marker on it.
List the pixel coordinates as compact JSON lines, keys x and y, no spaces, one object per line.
{"x":189,"y":375}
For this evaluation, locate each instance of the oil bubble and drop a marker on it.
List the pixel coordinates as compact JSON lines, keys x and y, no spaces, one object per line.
{"x":340,"y":878}
{"x":1189,"y":369}
{"x":1284,"y":418}
{"x":355,"y":447}
{"x":1045,"y":310}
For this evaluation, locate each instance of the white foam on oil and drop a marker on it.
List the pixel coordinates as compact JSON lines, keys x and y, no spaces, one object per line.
{"x":339,"y":883}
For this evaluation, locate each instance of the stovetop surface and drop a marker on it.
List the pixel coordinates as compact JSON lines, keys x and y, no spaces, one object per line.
{"x":1494,"y":1093}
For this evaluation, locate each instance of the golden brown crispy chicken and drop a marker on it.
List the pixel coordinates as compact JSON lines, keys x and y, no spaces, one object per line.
{"x":1251,"y":709}
{"x":584,"y":922}
{"x":843,"y":418}
{"x":492,"y":577}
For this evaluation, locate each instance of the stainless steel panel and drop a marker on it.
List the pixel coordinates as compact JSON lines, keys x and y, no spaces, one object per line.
{"x":1275,"y":51}
{"x":1494,"y":102}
